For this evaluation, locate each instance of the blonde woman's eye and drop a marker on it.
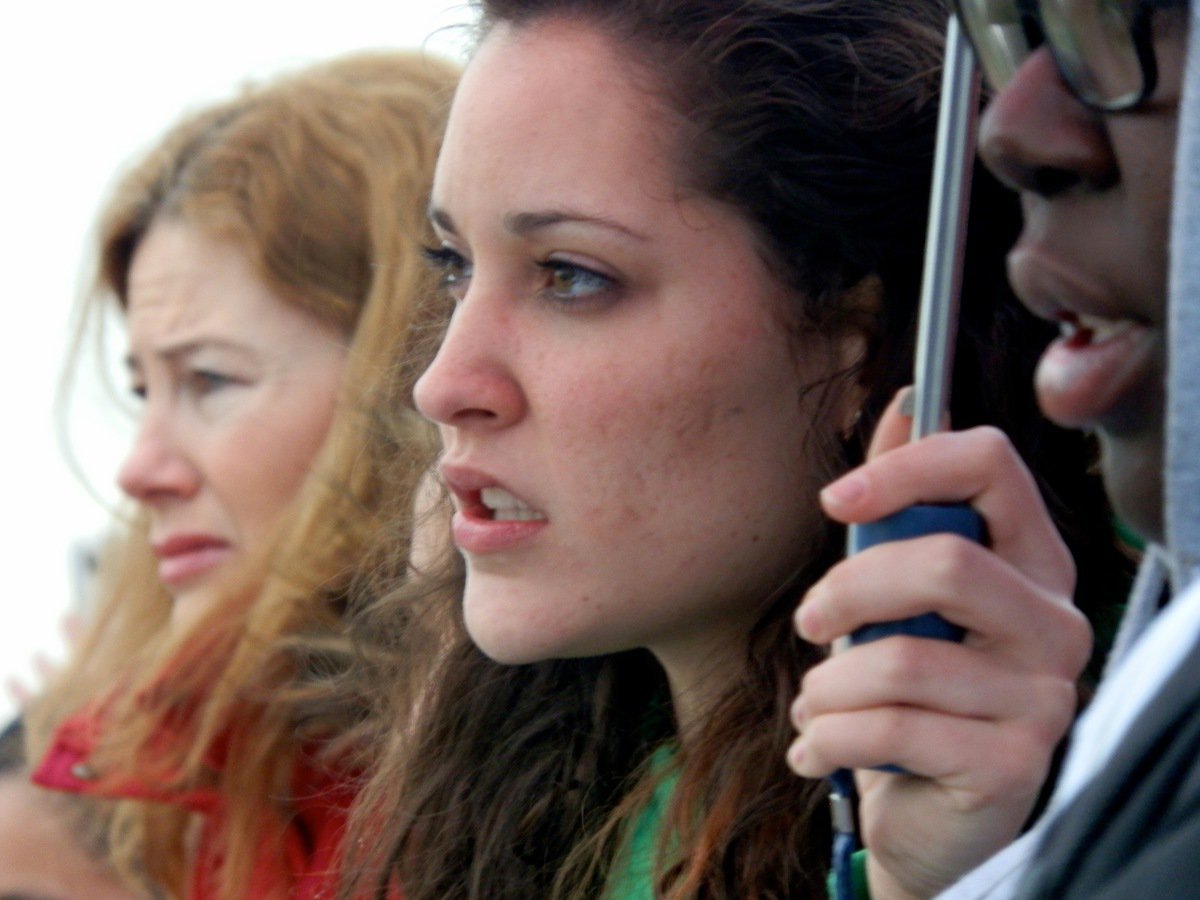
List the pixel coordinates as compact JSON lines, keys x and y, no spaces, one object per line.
{"x":206,"y":381}
{"x":452,"y":268}
{"x":567,"y":282}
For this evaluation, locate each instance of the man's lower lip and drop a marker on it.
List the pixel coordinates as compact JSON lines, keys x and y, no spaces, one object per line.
{"x":1079,"y":385}
{"x":182,"y":567}
{"x":474,"y":535}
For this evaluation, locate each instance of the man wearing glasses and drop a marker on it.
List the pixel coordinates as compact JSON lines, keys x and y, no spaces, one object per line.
{"x":1084,"y":123}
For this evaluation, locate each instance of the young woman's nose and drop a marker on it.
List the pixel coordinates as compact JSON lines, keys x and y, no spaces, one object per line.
{"x":157,"y":468}
{"x":1038,"y":137}
{"x":471,"y":382}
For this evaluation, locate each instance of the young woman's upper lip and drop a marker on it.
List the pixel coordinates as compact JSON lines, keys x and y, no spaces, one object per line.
{"x":466,"y":483}
{"x":176,"y":544}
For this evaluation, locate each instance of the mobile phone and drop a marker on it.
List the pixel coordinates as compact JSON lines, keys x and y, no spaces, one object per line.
{"x":945,"y":247}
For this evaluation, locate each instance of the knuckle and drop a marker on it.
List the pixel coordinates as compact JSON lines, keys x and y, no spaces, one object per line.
{"x":902,"y":661}
{"x":1068,"y":710}
{"x":1069,"y":639}
{"x":1061,"y":574}
{"x":1080,"y":641}
{"x":1052,"y":707}
{"x":951,"y":562}
{"x":888,"y":730}
{"x":992,"y":446}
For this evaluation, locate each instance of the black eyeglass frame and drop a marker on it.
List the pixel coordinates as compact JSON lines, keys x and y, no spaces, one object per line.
{"x":1139,"y":30}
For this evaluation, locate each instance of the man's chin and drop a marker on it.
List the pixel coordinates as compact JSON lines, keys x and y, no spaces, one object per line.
{"x":1133,"y":478}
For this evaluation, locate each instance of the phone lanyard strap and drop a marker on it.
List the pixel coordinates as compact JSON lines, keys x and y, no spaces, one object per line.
{"x":845,"y":834}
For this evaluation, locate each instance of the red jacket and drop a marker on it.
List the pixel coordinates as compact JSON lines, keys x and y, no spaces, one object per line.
{"x":320,"y":802}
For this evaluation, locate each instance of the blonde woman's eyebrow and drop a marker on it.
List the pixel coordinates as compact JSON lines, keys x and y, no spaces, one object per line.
{"x":173,"y":351}
{"x":442,"y":221}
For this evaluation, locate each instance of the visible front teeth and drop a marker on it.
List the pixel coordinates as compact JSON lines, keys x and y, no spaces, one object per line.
{"x":1081,"y":329}
{"x":507,"y":508}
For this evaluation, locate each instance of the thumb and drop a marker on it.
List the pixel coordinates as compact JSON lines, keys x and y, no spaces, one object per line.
{"x":895,"y":425}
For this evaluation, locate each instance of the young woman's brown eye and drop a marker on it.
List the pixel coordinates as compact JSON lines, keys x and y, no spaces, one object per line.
{"x":569,"y":283}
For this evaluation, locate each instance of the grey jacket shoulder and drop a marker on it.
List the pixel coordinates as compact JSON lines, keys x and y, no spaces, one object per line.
{"x":1135,"y":831}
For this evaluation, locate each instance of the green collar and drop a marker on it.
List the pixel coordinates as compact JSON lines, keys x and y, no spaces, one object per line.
{"x":632,"y":875}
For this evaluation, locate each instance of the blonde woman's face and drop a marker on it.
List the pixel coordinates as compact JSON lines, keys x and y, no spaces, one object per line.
{"x":238,"y":388}
{"x":624,"y":412}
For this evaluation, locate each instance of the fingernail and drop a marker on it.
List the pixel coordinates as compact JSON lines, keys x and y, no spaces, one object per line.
{"x":796,"y":714}
{"x":807,"y":619}
{"x":844,"y":492}
{"x":795,"y":756}
{"x":908,"y":402}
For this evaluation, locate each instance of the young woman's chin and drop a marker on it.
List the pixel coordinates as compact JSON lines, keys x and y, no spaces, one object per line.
{"x":513,"y":642}
{"x":517,"y":624}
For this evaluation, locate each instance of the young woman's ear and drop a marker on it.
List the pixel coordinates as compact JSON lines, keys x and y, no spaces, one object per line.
{"x":863,"y":302}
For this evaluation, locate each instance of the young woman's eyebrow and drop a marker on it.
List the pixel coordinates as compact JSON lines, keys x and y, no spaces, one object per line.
{"x":442,"y":221}
{"x":524,"y":223}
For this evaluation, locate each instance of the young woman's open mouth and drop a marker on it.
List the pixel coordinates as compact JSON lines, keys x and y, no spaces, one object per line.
{"x":489,"y":518}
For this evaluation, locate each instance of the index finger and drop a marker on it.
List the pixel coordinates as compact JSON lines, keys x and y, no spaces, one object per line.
{"x":979,"y":467}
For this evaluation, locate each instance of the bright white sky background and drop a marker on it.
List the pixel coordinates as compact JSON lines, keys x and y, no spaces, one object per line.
{"x":85,"y":86}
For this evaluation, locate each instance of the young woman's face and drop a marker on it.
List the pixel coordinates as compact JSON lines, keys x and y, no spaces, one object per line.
{"x":239,"y":389}
{"x":625,"y":416}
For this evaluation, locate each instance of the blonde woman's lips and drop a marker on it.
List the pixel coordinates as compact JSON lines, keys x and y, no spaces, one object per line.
{"x":184,"y":557}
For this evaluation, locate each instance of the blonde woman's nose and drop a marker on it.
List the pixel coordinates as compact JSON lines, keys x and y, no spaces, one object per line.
{"x":157,"y":466}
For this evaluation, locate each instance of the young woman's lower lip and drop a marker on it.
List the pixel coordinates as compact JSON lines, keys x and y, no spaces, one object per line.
{"x":475,"y":535}
{"x":1080,"y":385}
{"x":180,"y":568}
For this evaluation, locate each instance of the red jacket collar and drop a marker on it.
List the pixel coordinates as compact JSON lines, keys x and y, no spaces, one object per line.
{"x":312,"y":842}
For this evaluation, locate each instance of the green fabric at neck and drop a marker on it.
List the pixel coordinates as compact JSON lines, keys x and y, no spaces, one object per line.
{"x":632,"y":875}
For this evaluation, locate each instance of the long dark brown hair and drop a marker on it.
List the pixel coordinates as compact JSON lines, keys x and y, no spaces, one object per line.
{"x":814,"y":119}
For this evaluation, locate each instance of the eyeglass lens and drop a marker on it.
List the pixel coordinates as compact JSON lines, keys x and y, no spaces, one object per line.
{"x":1092,"y":41}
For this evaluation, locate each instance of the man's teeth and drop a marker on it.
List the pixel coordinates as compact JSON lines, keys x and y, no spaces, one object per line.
{"x":1093,"y":329}
{"x":507,"y":508}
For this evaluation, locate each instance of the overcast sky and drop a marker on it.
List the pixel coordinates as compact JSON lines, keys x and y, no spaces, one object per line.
{"x":84,"y":87}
